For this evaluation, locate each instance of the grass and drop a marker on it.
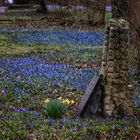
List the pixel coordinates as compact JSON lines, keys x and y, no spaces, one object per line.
{"x":7,"y":47}
{"x":55,"y":108}
{"x":66,"y":53}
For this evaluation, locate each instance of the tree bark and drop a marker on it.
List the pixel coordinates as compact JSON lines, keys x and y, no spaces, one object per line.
{"x":99,"y":8}
{"x":108,"y":3}
{"x":119,"y":6}
{"x":103,"y":12}
{"x":42,"y":6}
{"x":2,"y":3}
{"x":134,"y":17}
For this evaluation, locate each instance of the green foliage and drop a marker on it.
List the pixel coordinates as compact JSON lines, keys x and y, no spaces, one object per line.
{"x":108,"y":16}
{"x":55,"y":108}
{"x":103,"y":127}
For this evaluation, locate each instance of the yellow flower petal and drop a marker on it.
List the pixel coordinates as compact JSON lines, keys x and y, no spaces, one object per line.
{"x":46,"y":101}
{"x":66,"y":101}
{"x":72,"y":101}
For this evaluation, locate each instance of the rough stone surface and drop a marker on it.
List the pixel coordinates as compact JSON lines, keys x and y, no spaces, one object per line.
{"x":115,"y":70}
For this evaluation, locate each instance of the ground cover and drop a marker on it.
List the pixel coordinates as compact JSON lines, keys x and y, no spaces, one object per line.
{"x":37,"y":65}
{"x":50,"y":71}
{"x":29,"y":18}
{"x":64,"y":45}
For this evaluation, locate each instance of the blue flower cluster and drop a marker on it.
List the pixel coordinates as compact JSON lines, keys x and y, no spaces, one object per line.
{"x":36,"y":71}
{"x":59,"y":37}
{"x":58,"y":7}
{"x":108,"y":8}
{"x":23,"y":118}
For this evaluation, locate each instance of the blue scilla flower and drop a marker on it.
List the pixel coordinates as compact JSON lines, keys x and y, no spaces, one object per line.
{"x":36,"y":113}
{"x":51,"y":121}
{"x":34,"y":70}
{"x":58,"y":37}
{"x":21,"y":109}
{"x":3,"y":91}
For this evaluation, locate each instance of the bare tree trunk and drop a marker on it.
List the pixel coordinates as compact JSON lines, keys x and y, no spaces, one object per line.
{"x":2,"y":3}
{"x":99,"y":8}
{"x":103,"y":11}
{"x":115,"y":13}
{"x":42,"y":6}
{"x":108,"y":3}
{"x":134,"y":17}
{"x":119,"y":6}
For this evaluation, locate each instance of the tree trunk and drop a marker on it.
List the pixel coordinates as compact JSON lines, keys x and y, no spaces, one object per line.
{"x":134,"y":17}
{"x":108,"y":3}
{"x":115,"y":12}
{"x":100,"y":9}
{"x":2,"y":3}
{"x":42,"y":6}
{"x":119,"y":7}
{"x":103,"y":11}
{"x":2,"y":6}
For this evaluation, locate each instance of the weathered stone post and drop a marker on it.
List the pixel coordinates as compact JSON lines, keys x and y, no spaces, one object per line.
{"x":115,"y":70}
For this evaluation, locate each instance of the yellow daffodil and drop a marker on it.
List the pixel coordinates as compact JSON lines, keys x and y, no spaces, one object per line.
{"x":66,"y":101}
{"x":72,"y":101}
{"x":46,"y":101}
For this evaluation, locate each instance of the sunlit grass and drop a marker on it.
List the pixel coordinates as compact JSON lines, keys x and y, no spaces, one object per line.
{"x":10,"y":48}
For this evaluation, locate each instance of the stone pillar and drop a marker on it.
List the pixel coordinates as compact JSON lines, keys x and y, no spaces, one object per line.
{"x":115,"y":70}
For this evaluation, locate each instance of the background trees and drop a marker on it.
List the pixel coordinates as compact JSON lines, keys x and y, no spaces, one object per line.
{"x":119,"y":8}
{"x":134,"y":18}
{"x":130,"y":11}
{"x":42,"y":6}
